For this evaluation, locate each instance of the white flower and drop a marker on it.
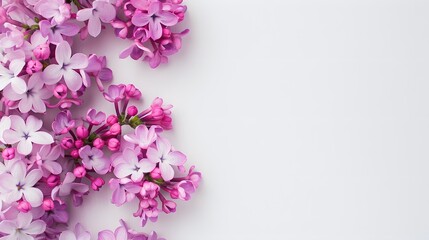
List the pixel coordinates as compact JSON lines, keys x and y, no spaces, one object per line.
{"x":26,"y":133}
{"x":10,"y":76}
{"x":5,"y":124}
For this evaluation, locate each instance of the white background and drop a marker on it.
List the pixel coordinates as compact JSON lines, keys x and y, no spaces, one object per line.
{"x":308,"y":118}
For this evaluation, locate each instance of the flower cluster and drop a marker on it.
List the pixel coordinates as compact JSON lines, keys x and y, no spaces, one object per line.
{"x":46,"y":165}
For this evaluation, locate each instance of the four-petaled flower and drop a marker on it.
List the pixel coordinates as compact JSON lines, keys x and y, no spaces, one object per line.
{"x":93,"y":158}
{"x":131,"y":165}
{"x":11,"y":76}
{"x":22,"y":228}
{"x":143,"y":136}
{"x":101,"y":11}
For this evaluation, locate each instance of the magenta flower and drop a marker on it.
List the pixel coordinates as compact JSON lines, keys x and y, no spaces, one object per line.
{"x":155,"y":17}
{"x":11,"y":76}
{"x":131,"y":165}
{"x":26,"y":133}
{"x":93,"y":158}
{"x":18,"y":183}
{"x":67,"y":64}
{"x":22,"y":228}
{"x":101,"y":11}
{"x":33,"y":98}
{"x":63,"y":123}
{"x":185,"y":189}
{"x":142,"y":136}
{"x":166,"y":158}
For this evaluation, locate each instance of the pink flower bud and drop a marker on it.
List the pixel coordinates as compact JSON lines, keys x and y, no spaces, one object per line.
{"x":132,"y":92}
{"x":82,"y":132}
{"x":53,"y":180}
{"x":156,"y":174}
{"x":177,"y":1}
{"x":78,"y":143}
{"x":97,"y":184}
{"x":98,"y":143}
{"x":79,"y":172}
{"x":166,"y":33}
{"x":48,"y":204}
{"x":174,"y":194}
{"x":24,"y":206}
{"x":112,"y":119}
{"x":132,"y":111}
{"x":8,"y":153}
{"x":67,"y":143}
{"x":74,"y":153}
{"x":33,"y":66}
{"x":60,"y":91}
{"x":42,"y":52}
{"x":115,"y":129}
{"x":169,"y":206}
{"x":113,"y":144}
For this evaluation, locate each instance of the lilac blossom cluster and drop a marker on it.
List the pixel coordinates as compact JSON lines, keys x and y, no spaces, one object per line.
{"x":45,"y":165}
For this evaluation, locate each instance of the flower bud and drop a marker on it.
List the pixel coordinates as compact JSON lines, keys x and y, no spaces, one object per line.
{"x":169,"y":206}
{"x":33,"y":66}
{"x":8,"y":153}
{"x":60,"y":91}
{"x":112,"y":119}
{"x":24,"y":206}
{"x":67,"y":143}
{"x":74,"y":153}
{"x":115,"y":129}
{"x":82,"y":132}
{"x":79,"y":172}
{"x":78,"y":143}
{"x":166,"y":33}
{"x":132,"y":92}
{"x":113,"y":144}
{"x":48,"y":204}
{"x":97,"y":184}
{"x":42,"y":52}
{"x":98,"y":143}
{"x":132,"y":111}
{"x":53,"y":180}
{"x":156,"y":174}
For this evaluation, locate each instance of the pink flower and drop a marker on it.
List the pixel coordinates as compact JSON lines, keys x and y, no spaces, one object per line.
{"x":102,"y":11}
{"x":124,"y":190}
{"x":166,"y":158}
{"x":94,"y":117}
{"x":63,"y":123}
{"x":33,"y":98}
{"x":69,"y":186}
{"x":131,"y":165}
{"x":46,"y":159}
{"x":93,"y":158}
{"x":185,"y":189}
{"x":155,"y":17}
{"x":67,"y":64}
{"x":55,"y":32}
{"x":115,"y":93}
{"x":58,"y":10}
{"x":11,"y":76}
{"x":26,"y":133}
{"x":23,"y":227}
{"x":79,"y":233}
{"x":142,"y":136}
{"x":119,"y":234}
{"x":18,"y":183}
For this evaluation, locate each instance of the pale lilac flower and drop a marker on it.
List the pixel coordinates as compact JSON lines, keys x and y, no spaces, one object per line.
{"x":5,"y":124}
{"x":154,"y":236}
{"x":119,"y":234}
{"x":185,"y":188}
{"x":18,"y":183}
{"x":55,"y":32}
{"x":79,"y":233}
{"x":33,"y":98}
{"x":124,"y":190}
{"x":115,"y":93}
{"x":93,"y":158}
{"x":63,"y":123}
{"x":69,"y":186}
{"x":22,"y":228}
{"x":166,"y":158}
{"x":12,"y":38}
{"x":101,"y":11}
{"x":155,"y":17}
{"x":58,"y":10}
{"x":26,"y":133}
{"x":11,"y":76}
{"x":142,"y":136}
{"x":94,"y":117}
{"x":131,"y":165}
{"x":46,"y":159}
{"x":67,"y":64}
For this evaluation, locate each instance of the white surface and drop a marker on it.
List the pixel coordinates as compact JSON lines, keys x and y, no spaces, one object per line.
{"x":309,"y":120}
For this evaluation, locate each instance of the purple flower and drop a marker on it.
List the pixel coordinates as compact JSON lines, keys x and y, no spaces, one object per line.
{"x":69,"y":186}
{"x":18,"y":183}
{"x":33,"y":98}
{"x":124,"y":190}
{"x":55,"y":32}
{"x":115,"y":93}
{"x":94,"y":117}
{"x":11,"y":76}
{"x":185,"y":189}
{"x":131,"y":165}
{"x":58,"y":10}
{"x":155,"y":17}
{"x":93,"y":158}
{"x":101,"y":11}
{"x":166,"y":158}
{"x":26,"y":133}
{"x":23,"y":227}
{"x":63,"y":123}
{"x":46,"y":159}
{"x":12,"y":38}
{"x":142,"y":136}
{"x":67,"y":64}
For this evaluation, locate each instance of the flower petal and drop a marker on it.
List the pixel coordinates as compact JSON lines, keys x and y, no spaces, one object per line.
{"x":140,"y":19}
{"x":167,"y":172}
{"x":94,"y":26}
{"x":63,"y":53}
{"x":36,"y":227}
{"x":78,"y":61}
{"x":52,"y":74}
{"x":7,"y":226}
{"x":18,"y":85}
{"x":34,"y":196}
{"x":73,"y":80}
{"x":42,"y":138}
{"x":32,"y":178}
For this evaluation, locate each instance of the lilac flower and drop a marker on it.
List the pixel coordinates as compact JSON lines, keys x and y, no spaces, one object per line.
{"x":133,"y":166}
{"x":33,"y":98}
{"x":166,"y":158}
{"x":154,"y":236}
{"x":58,"y":10}
{"x":94,"y":117}
{"x":46,"y":159}
{"x":18,"y":183}
{"x":10,"y":76}
{"x":101,"y":11}
{"x":13,"y":37}
{"x":79,"y":233}
{"x":67,"y":64}
{"x":124,"y":190}
{"x":26,"y":133}
{"x":22,"y":228}
{"x":155,"y":17}
{"x":185,"y":189}
{"x":55,"y":32}
{"x":119,"y":234}
{"x":142,"y":136}
{"x":69,"y":186}
{"x":115,"y":93}
{"x":5,"y":124}
{"x":63,"y":123}
{"x":93,"y":158}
